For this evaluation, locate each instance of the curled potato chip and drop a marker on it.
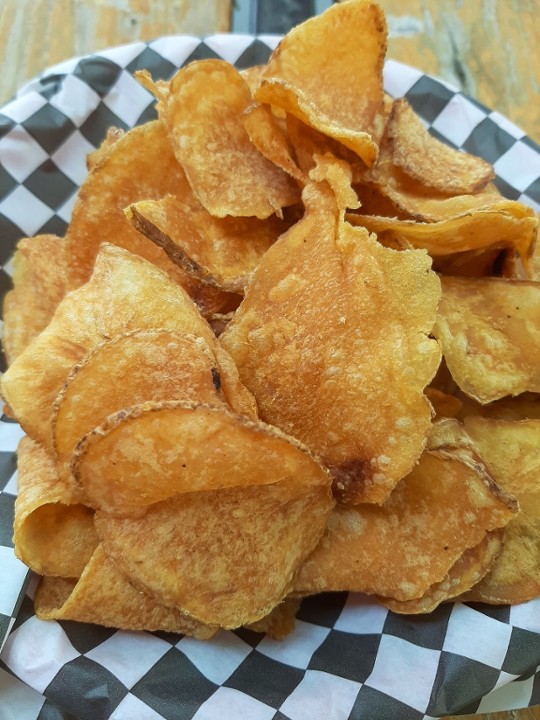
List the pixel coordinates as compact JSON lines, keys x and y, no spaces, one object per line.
{"x":138,"y":166}
{"x":487,"y":328}
{"x":160,"y":365}
{"x":125,"y":293}
{"x":322,"y":341}
{"x":53,"y":528}
{"x":222,"y":252}
{"x":226,"y":557}
{"x":202,"y":110}
{"x":179,"y":438}
{"x":305,"y":78}
{"x":39,"y":285}
{"x":430,"y":161}
{"x":468,"y":570}
{"x":103,"y":596}
{"x":444,"y":507}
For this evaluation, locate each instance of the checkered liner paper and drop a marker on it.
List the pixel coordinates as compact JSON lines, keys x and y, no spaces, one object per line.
{"x":347,"y":658}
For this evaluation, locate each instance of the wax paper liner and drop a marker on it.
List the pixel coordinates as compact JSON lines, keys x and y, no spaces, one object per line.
{"x":348,"y":657}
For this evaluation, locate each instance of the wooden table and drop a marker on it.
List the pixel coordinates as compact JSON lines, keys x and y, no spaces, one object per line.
{"x":489,"y":49}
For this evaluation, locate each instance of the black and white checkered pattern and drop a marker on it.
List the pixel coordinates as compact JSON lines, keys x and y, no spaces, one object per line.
{"x":347,"y":658}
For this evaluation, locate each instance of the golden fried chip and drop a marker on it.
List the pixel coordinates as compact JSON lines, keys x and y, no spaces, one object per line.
{"x":160,"y":365}
{"x":202,"y":110}
{"x":226,"y":557}
{"x":222,"y":252}
{"x":125,"y":293}
{"x":305,"y":76}
{"x":488,"y":331}
{"x":253,"y":75}
{"x":94,"y":158}
{"x":444,"y":404}
{"x":521,"y":407}
{"x":430,"y":161}
{"x":155,"y":450}
{"x":280,"y":621}
{"x":54,"y":528}
{"x":138,"y":166}
{"x":323,"y":342}
{"x":103,"y":596}
{"x":490,"y":227}
{"x":468,"y":570}
{"x":444,"y":507}
{"x":39,"y":285}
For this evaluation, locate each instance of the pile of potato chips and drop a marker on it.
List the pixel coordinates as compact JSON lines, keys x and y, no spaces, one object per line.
{"x":289,"y":344}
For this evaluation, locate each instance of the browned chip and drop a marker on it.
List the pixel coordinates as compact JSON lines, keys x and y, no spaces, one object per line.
{"x":332,"y":339}
{"x":138,"y":166}
{"x":95,"y":157}
{"x":444,"y":507}
{"x":125,"y":293}
{"x":39,"y":285}
{"x":202,"y":109}
{"x":488,"y":331}
{"x":430,"y":161}
{"x":160,"y":365}
{"x":222,"y":252}
{"x":280,"y":621}
{"x":305,"y":75}
{"x":103,"y":596}
{"x":253,"y":75}
{"x":54,"y":528}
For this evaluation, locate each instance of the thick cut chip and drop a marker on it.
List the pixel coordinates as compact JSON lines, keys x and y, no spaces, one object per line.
{"x":510,"y":450}
{"x":160,"y":365}
{"x":468,"y":570}
{"x":222,"y":252}
{"x":202,"y":109}
{"x":125,"y":293}
{"x":39,"y":284}
{"x":333,"y":340}
{"x":155,"y":450}
{"x":103,"y":596}
{"x":54,"y":528}
{"x":430,"y":161}
{"x":226,"y":557}
{"x":305,"y":74}
{"x":138,"y":166}
{"x":491,"y":227}
{"x":444,"y":507}
{"x":488,"y":331}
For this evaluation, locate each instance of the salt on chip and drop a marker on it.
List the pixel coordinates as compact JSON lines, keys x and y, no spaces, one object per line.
{"x":103,"y":596}
{"x":444,"y":507}
{"x":323,"y":343}
{"x":54,"y":527}
{"x":222,"y":252}
{"x":202,"y":109}
{"x":304,"y":75}
{"x":155,"y":450}
{"x":125,"y":293}
{"x":138,"y":166}
{"x":430,"y":161}
{"x":39,"y":284}
{"x":160,"y":365}
{"x":488,"y":331}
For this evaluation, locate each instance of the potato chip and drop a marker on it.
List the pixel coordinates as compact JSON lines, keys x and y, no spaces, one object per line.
{"x":323,"y":343}
{"x":444,"y":507}
{"x":125,"y":293}
{"x":468,"y":570}
{"x":226,"y":557}
{"x":492,"y":226}
{"x":444,"y":404}
{"x":280,"y":621}
{"x":474,"y":263}
{"x":428,"y":160}
{"x":488,"y":331}
{"x":178,"y":437}
{"x":160,"y":365}
{"x":39,"y":285}
{"x":54,"y":528}
{"x":521,"y":407}
{"x":96,"y":156}
{"x":253,"y":75}
{"x":304,"y":75}
{"x":138,"y":166}
{"x":103,"y":596}
{"x":202,"y":110}
{"x":222,"y":252}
